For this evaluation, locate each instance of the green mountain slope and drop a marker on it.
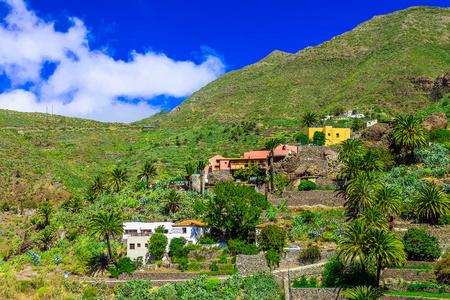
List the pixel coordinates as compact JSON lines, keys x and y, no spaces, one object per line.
{"x":378,"y":63}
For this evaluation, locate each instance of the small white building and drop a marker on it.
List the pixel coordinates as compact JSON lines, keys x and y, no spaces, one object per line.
{"x":370,"y":123}
{"x":137,"y":235}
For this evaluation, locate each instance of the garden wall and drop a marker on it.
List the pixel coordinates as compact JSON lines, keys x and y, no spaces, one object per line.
{"x":317,"y":197}
{"x":393,"y":275}
{"x":316,"y":294}
{"x":442,"y":232}
{"x":158,"y":275}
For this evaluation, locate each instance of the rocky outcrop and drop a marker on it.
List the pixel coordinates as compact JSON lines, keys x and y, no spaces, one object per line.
{"x":425,"y":83}
{"x":216,"y":177}
{"x":378,"y":136}
{"x":435,"y":121}
{"x":310,"y":161}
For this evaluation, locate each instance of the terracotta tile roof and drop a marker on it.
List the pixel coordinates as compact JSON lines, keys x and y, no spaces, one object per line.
{"x":265,"y":224}
{"x":190,"y":223}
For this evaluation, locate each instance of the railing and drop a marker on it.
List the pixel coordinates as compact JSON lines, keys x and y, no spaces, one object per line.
{"x":139,"y":234}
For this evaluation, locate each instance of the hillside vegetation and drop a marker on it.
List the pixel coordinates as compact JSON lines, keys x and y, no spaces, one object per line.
{"x":388,"y":62}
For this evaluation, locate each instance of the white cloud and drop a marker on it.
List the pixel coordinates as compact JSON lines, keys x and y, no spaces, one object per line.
{"x":87,"y":83}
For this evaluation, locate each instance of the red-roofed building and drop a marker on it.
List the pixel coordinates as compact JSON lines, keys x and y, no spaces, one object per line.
{"x":257,"y":157}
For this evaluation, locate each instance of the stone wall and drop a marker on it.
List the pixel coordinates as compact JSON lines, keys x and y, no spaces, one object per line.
{"x":158,"y":275}
{"x":393,"y":275}
{"x":209,"y":255}
{"x":442,"y":232}
{"x":316,"y":294}
{"x":412,"y":263}
{"x":250,"y":264}
{"x":311,"y":198}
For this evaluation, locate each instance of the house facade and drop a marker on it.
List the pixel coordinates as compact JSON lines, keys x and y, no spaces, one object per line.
{"x":137,"y":235}
{"x":370,"y":123}
{"x":333,"y":136}
{"x":259,"y":158}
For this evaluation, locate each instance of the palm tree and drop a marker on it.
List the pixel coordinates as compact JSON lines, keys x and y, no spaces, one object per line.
{"x":147,"y":171}
{"x":308,"y":118}
{"x":46,"y":236}
{"x":408,"y":132}
{"x":45,"y":211}
{"x":190,"y":169}
{"x":389,"y":201}
{"x":353,"y":244}
{"x":270,"y":145}
{"x":371,"y":161}
{"x":385,"y":249}
{"x":350,"y":148}
{"x":201,"y":165}
{"x":173,"y":201}
{"x":106,"y":225}
{"x":117,"y":177}
{"x":431,"y":203}
{"x":352,"y":166}
{"x":373,"y":217}
{"x":361,"y":192}
{"x":356,"y":124}
{"x":362,"y":293}
{"x":98,"y":185}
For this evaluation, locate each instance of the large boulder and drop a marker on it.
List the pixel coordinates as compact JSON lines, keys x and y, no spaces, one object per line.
{"x":378,"y":136}
{"x":435,"y":121}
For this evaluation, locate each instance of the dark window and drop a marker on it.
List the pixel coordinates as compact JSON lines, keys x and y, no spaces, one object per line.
{"x":139,"y":245}
{"x":337,"y":135}
{"x":329,"y":134}
{"x":146,"y":245}
{"x":131,"y":246}
{"x":184,"y":229}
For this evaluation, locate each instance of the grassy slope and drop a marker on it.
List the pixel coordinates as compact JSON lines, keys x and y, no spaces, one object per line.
{"x":369,"y":66}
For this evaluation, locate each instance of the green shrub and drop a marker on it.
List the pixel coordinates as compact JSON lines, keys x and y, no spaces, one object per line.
{"x":336,"y":273}
{"x":226,"y":266}
{"x":319,"y":138}
{"x":421,"y":246}
{"x":194,"y":266}
{"x":177,"y":247}
{"x":300,"y":283}
{"x":444,"y":220}
{"x":134,"y":289}
{"x":250,"y":249}
{"x":90,"y":293}
{"x":233,"y":260}
{"x":440,"y":135}
{"x":313,"y":281}
{"x":442,"y":270}
{"x":207,"y":240}
{"x":72,"y":235}
{"x":306,"y":185}
{"x":309,"y":253}
{"x":126,"y":265}
{"x":214,"y":266}
{"x":435,"y":157}
{"x":212,"y":284}
{"x":302,"y":138}
{"x":157,"y":245}
{"x":273,"y":258}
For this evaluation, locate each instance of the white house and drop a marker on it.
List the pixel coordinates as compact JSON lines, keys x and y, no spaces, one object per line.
{"x":370,"y":123}
{"x":137,"y":235}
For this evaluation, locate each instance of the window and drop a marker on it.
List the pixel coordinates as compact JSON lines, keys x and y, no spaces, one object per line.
{"x":139,"y":245}
{"x":131,"y":246}
{"x":184,"y":230}
{"x":146,"y":245}
{"x":337,"y":135}
{"x":329,"y":134}
{"x":225,"y":162}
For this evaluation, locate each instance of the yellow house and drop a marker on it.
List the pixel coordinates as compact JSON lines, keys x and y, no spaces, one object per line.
{"x":332,"y":135}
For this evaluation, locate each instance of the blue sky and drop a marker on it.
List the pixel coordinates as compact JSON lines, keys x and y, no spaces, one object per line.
{"x":125,"y":60}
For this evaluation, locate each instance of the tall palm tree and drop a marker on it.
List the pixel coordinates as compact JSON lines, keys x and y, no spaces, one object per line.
{"x":373,"y":217}
{"x":309,"y":118}
{"x":47,"y":237}
{"x":147,"y":171}
{"x":106,"y":225}
{"x":201,"y":165}
{"x":173,"y":201}
{"x":431,"y":203}
{"x":361,"y":192}
{"x":117,"y":177}
{"x":350,"y":148}
{"x":353,"y":244}
{"x":270,"y":145}
{"x":389,"y":201}
{"x":408,"y":132}
{"x":45,"y":211}
{"x":370,"y":161}
{"x":362,"y":293}
{"x":357,"y":124}
{"x":385,"y":249}
{"x":190,"y":169}
{"x":98,"y":185}
{"x":352,"y":166}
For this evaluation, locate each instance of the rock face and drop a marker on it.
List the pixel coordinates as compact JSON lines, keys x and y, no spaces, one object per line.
{"x":435,"y":121}
{"x":378,"y":136}
{"x":216,"y":177}
{"x":310,"y":161}
{"x":425,"y":83}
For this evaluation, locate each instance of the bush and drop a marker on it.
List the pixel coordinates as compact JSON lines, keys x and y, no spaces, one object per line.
{"x":435,"y":157}
{"x":207,"y":240}
{"x":212,"y":284}
{"x":272,"y":237}
{"x":194,"y":266}
{"x":273,"y":258}
{"x":233,"y":260}
{"x":444,"y":220}
{"x":176,"y":247}
{"x":308,"y":216}
{"x":440,"y":135}
{"x":90,"y":293}
{"x":125,"y":265}
{"x":214,"y":266}
{"x":250,"y":249}
{"x":306,"y":185}
{"x":442,"y":270}
{"x":421,"y":246}
{"x":309,"y":253}
{"x":302,"y":138}
{"x":157,"y":245}
{"x":303,"y":282}
{"x":313,"y":281}
{"x":336,"y":273}
{"x":134,"y":289}
{"x":319,"y":138}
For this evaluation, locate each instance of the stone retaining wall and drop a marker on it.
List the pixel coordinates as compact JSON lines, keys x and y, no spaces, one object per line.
{"x":250,"y":264}
{"x":442,"y":232}
{"x":412,"y":263}
{"x":158,"y":275}
{"x":393,"y":275}
{"x":209,"y":255}
{"x":311,"y":198}
{"x":316,"y":294}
